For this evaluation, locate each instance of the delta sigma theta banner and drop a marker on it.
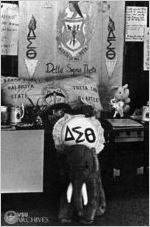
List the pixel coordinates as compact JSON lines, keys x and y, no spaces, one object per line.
{"x":62,"y":37}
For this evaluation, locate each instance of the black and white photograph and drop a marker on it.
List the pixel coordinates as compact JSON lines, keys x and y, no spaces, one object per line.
{"x":74,"y":113}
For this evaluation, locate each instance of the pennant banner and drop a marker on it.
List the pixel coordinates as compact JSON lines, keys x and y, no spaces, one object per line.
{"x":31,"y":66}
{"x":110,"y":65}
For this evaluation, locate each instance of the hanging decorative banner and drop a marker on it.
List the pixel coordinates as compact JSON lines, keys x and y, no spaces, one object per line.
{"x":110,"y":65}
{"x":72,"y":38}
{"x":31,"y":36}
{"x":146,"y":50}
{"x":31,"y":52}
{"x":31,"y":66}
{"x":136,"y":21}
{"x":111,"y":58}
{"x":9,"y":28}
{"x":111,"y":39}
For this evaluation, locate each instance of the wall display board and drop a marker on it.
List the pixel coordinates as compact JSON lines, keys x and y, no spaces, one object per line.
{"x":136,"y":22}
{"x":9,"y":29}
{"x":62,"y":37}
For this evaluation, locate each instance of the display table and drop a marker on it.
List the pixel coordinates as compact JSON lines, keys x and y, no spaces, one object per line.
{"x":127,"y":147}
{"x":22,"y":161}
{"x":29,"y":161}
{"x":125,"y":130}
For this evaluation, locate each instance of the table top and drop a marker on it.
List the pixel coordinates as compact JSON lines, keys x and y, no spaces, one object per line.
{"x":124,"y":123}
{"x":20,"y":127}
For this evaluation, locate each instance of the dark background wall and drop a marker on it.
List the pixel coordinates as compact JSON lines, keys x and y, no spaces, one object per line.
{"x":133,"y":72}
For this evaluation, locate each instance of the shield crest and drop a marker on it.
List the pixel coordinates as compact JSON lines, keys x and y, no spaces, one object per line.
{"x":74,"y":31}
{"x":73,"y":36}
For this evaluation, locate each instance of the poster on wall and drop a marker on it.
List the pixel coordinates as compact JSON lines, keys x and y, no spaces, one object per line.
{"x":9,"y":28}
{"x":136,"y":22}
{"x":70,"y":38}
{"x":146,"y":50}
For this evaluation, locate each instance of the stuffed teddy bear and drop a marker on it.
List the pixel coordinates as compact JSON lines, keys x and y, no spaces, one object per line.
{"x":121,"y":100}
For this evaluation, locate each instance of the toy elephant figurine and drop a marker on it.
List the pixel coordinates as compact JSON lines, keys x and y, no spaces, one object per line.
{"x":83,"y":169}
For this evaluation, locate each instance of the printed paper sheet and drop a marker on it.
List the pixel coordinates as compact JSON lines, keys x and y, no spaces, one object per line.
{"x":9,"y":28}
{"x":136,"y":21}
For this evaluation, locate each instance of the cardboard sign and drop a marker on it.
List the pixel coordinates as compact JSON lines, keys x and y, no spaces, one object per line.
{"x":9,"y":28}
{"x":16,"y":91}
{"x":136,"y":21}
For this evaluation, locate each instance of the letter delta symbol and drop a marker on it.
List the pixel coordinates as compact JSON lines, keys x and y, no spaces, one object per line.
{"x":68,"y":135}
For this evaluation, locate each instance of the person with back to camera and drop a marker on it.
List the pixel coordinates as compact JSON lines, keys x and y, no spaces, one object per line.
{"x":78,"y":138}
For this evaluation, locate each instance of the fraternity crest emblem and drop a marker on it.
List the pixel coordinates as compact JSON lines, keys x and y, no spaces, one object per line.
{"x":74,"y":31}
{"x":53,"y":95}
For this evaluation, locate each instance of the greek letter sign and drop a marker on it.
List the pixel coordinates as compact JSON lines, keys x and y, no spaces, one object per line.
{"x":77,"y":129}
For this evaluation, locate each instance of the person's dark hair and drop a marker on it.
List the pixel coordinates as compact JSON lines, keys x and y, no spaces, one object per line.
{"x":66,"y":107}
{"x":87,"y":110}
